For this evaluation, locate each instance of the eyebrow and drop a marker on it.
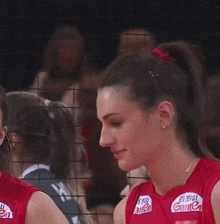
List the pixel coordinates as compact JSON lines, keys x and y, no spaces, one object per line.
{"x":108,"y":115}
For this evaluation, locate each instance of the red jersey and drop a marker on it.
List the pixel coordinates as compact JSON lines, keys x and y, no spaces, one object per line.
{"x":14,"y":197}
{"x":187,"y":204}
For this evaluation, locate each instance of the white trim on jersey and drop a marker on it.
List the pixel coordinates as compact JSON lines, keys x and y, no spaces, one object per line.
{"x":33,"y":168}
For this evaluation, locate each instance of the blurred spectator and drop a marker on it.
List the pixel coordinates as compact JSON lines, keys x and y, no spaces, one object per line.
{"x":67,"y":66}
{"x":103,"y":190}
{"x":107,"y":179}
{"x":71,"y":76}
{"x":66,"y":61}
{"x":211,"y":114}
{"x":43,"y":150}
{"x":136,"y":40}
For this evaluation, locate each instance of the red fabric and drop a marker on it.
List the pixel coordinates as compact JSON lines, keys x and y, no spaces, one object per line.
{"x":162,"y":54}
{"x":87,"y":133}
{"x":187,"y":204}
{"x":14,"y":198}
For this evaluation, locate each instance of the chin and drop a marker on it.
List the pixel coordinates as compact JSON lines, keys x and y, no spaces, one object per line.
{"x":125,"y":166}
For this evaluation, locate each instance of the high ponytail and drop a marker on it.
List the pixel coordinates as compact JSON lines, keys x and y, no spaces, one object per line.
{"x":190,"y":58}
{"x":63,"y":153}
{"x":177,"y":73}
{"x":47,"y":130}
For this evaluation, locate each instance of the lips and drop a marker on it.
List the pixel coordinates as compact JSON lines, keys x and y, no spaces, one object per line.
{"x":118,"y":154}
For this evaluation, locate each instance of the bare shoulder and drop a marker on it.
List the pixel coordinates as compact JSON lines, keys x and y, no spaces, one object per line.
{"x":38,"y":80}
{"x":215,"y":201}
{"x":42,"y":209}
{"x":119,"y":212}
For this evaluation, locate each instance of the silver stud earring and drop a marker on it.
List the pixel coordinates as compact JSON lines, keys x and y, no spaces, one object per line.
{"x":163,"y":127}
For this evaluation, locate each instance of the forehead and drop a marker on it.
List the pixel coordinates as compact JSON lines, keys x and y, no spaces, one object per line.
{"x":107,"y":94}
{"x":68,"y":44}
{"x":113,"y":100}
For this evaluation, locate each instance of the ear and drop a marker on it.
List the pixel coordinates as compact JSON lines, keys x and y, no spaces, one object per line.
{"x":166,"y":114}
{"x":15,"y":140}
{"x":3,"y":131}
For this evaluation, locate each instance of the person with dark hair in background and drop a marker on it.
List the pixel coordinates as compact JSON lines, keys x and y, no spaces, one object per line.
{"x":211,"y":114}
{"x":71,"y":76}
{"x":43,"y":149}
{"x":66,"y":62}
{"x":150,"y":109}
{"x":21,"y":202}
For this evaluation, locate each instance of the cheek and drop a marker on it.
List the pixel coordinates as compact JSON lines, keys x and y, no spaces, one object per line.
{"x":131,"y":135}
{"x":141,"y":139}
{"x":138,"y":131}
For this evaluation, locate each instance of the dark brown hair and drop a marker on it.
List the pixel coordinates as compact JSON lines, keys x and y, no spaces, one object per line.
{"x":46,"y":128}
{"x":50,"y":57}
{"x":151,"y":79}
{"x":5,"y":148}
{"x":51,"y":52}
{"x":211,"y":101}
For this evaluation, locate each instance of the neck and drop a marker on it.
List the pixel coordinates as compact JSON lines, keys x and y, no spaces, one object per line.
{"x":172,"y":168}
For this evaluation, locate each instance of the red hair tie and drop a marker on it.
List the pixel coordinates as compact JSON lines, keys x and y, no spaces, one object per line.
{"x":162,"y":54}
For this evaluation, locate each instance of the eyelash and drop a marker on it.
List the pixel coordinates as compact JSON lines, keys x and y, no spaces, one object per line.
{"x":115,"y":124}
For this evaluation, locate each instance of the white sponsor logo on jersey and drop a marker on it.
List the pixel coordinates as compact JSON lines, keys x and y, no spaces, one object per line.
{"x":62,"y":190}
{"x":75,"y":220}
{"x":144,"y":205}
{"x":187,"y":202}
{"x":5,"y":212}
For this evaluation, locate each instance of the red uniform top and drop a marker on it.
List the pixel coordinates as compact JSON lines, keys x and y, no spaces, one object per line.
{"x":187,"y":204}
{"x":14,"y":197}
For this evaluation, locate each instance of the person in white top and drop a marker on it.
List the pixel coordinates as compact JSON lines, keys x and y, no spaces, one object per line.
{"x":66,"y":62}
{"x":68,"y":68}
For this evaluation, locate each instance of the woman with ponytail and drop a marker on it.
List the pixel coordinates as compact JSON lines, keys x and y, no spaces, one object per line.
{"x":43,"y":149}
{"x":150,"y":109}
{"x":21,"y":202}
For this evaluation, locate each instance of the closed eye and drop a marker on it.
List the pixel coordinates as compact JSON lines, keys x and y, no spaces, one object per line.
{"x":115,"y":124}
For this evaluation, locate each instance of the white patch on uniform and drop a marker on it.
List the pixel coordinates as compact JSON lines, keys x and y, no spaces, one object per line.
{"x":5,"y":212}
{"x":144,"y":205}
{"x":75,"y":220}
{"x":187,"y":202}
{"x":62,"y":190}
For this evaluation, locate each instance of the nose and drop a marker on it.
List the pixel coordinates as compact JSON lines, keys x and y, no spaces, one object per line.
{"x":106,"y":138}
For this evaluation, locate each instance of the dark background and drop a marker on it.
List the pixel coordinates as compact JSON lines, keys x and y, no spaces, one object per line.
{"x":27,"y":25}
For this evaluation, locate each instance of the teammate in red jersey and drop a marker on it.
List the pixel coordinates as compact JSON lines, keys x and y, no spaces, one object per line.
{"x":150,"y":110}
{"x":21,"y":202}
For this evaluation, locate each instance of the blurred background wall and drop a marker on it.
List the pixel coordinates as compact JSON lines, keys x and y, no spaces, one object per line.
{"x":27,"y":25}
